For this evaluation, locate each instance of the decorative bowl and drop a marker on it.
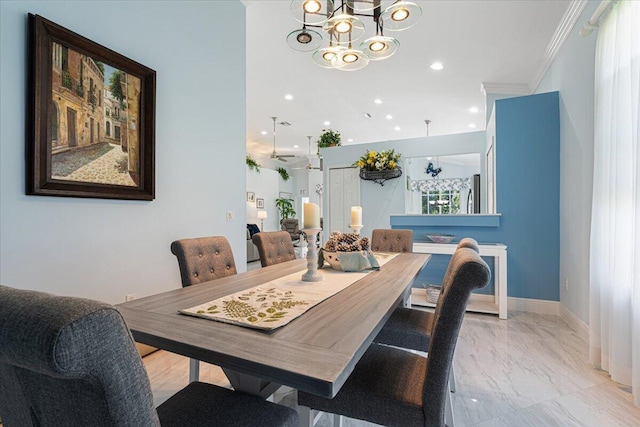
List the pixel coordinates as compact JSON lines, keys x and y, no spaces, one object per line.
{"x":441,"y":238}
{"x":332,"y":259}
{"x":433,"y":292}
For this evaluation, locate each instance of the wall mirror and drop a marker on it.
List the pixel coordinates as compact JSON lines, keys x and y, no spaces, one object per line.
{"x":450,"y":184}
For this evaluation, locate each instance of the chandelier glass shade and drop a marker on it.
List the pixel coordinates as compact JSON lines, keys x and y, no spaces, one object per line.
{"x":341,"y":23}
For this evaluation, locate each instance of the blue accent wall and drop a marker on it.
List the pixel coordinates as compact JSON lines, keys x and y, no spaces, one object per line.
{"x":527,"y":195}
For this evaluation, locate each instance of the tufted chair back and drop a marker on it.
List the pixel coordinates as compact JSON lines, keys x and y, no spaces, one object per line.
{"x":203,"y":259}
{"x":386,"y":240}
{"x":467,"y":272}
{"x":274,"y":247}
{"x":69,"y":362}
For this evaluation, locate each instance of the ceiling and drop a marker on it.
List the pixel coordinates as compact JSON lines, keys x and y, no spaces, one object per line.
{"x":498,"y":42}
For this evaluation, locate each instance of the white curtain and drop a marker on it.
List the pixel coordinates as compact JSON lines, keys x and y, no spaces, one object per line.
{"x":614,"y":316}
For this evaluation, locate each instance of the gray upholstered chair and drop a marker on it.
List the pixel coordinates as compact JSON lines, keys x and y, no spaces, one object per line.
{"x":274,"y":247}
{"x":411,"y":329}
{"x":388,"y":240}
{"x":291,"y":226}
{"x":393,"y":387}
{"x":203,"y":259}
{"x":72,"y":362}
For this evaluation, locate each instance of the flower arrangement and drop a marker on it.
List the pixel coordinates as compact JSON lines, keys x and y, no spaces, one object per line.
{"x":379,"y":161}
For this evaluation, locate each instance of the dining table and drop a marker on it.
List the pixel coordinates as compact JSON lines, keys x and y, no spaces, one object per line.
{"x":316,"y":352}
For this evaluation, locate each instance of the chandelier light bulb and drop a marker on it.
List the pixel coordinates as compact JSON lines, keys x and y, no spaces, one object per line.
{"x":304,"y":37}
{"x":311,"y":6}
{"x":350,"y":58}
{"x":342,"y":27}
{"x":400,"y":14}
{"x":377,"y":46}
{"x":328,"y":56}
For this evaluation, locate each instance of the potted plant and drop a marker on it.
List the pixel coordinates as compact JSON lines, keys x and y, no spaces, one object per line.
{"x":329,"y":138}
{"x":283,"y":174}
{"x":253,"y":165}
{"x":285,"y":208}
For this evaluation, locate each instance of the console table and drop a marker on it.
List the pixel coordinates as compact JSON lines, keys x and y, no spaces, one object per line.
{"x":478,"y":303}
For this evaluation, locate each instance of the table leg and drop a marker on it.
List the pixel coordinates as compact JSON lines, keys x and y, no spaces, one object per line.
{"x":501,"y":285}
{"x":194,"y":370}
{"x":250,"y":384}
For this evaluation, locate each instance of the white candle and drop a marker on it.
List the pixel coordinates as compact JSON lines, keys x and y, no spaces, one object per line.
{"x":356,"y":215}
{"x":311,"y":215}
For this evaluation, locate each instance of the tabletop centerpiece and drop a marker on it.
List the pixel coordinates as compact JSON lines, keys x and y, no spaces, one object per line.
{"x":347,"y":252}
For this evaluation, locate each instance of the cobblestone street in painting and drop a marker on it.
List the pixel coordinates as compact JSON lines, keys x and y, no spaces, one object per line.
{"x":102,"y":163}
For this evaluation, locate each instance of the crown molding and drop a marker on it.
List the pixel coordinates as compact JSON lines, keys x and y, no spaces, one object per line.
{"x":568,"y":21}
{"x":504,"y":88}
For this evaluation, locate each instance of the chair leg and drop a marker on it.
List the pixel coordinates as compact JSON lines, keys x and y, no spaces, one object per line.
{"x":306,"y":416}
{"x":448,"y":411}
{"x":452,"y":380}
{"x":194,"y":370}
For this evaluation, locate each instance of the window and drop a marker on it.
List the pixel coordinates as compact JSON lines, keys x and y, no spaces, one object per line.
{"x":108,"y":128}
{"x":441,"y":202}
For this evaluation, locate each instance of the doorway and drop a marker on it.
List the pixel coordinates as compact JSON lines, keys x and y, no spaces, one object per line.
{"x":71,"y":127}
{"x":344,"y":192}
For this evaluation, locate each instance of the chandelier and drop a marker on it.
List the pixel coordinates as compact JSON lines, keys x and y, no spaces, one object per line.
{"x":343,"y":29}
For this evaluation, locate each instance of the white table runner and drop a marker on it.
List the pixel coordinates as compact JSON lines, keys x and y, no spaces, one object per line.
{"x":276,"y":303}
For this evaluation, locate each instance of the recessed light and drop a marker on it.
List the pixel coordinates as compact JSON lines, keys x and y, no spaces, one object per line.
{"x":296,"y":146}
{"x":388,"y":117}
{"x":350,"y":140}
{"x":429,"y":158}
{"x":327,"y":123}
{"x":437,"y":66}
{"x":472,"y":126}
{"x":367,"y":115}
{"x":473,"y":110}
{"x":397,"y":128}
{"x":378,"y":101}
{"x":288,"y":97}
{"x":264,"y":132}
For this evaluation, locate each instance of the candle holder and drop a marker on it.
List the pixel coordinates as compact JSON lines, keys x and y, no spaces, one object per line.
{"x":356,"y":228}
{"x":312,"y":274}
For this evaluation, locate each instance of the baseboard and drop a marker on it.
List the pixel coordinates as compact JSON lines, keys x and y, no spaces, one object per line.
{"x":575,"y":323}
{"x":533,"y":305}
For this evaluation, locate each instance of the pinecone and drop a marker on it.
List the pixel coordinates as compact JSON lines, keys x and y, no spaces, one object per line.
{"x":346,"y":242}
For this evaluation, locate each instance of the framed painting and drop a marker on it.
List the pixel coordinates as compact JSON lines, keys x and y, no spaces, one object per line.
{"x":251,"y":196}
{"x":90,"y":118}
{"x":259,"y":203}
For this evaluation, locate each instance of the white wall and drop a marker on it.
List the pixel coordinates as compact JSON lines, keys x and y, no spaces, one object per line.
{"x":379,"y":202}
{"x":572,"y":74}
{"x":265,"y":185}
{"x":105,"y":249}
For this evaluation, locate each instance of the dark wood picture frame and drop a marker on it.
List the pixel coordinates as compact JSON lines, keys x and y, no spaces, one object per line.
{"x":83,"y":125}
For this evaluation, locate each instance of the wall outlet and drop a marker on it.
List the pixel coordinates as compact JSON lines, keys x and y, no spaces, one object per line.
{"x":566,"y":284}
{"x":129,"y":297}
{"x":231,"y":216}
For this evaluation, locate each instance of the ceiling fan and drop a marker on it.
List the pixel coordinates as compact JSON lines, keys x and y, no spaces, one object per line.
{"x":275,"y":155}
{"x":309,"y":166}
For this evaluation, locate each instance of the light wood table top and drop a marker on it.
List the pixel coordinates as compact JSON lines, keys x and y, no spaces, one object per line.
{"x":316,"y":352}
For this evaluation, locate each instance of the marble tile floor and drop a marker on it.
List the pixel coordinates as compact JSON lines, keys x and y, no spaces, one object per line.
{"x":530,"y":370}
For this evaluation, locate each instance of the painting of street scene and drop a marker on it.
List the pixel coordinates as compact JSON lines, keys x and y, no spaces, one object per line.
{"x":93,"y":121}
